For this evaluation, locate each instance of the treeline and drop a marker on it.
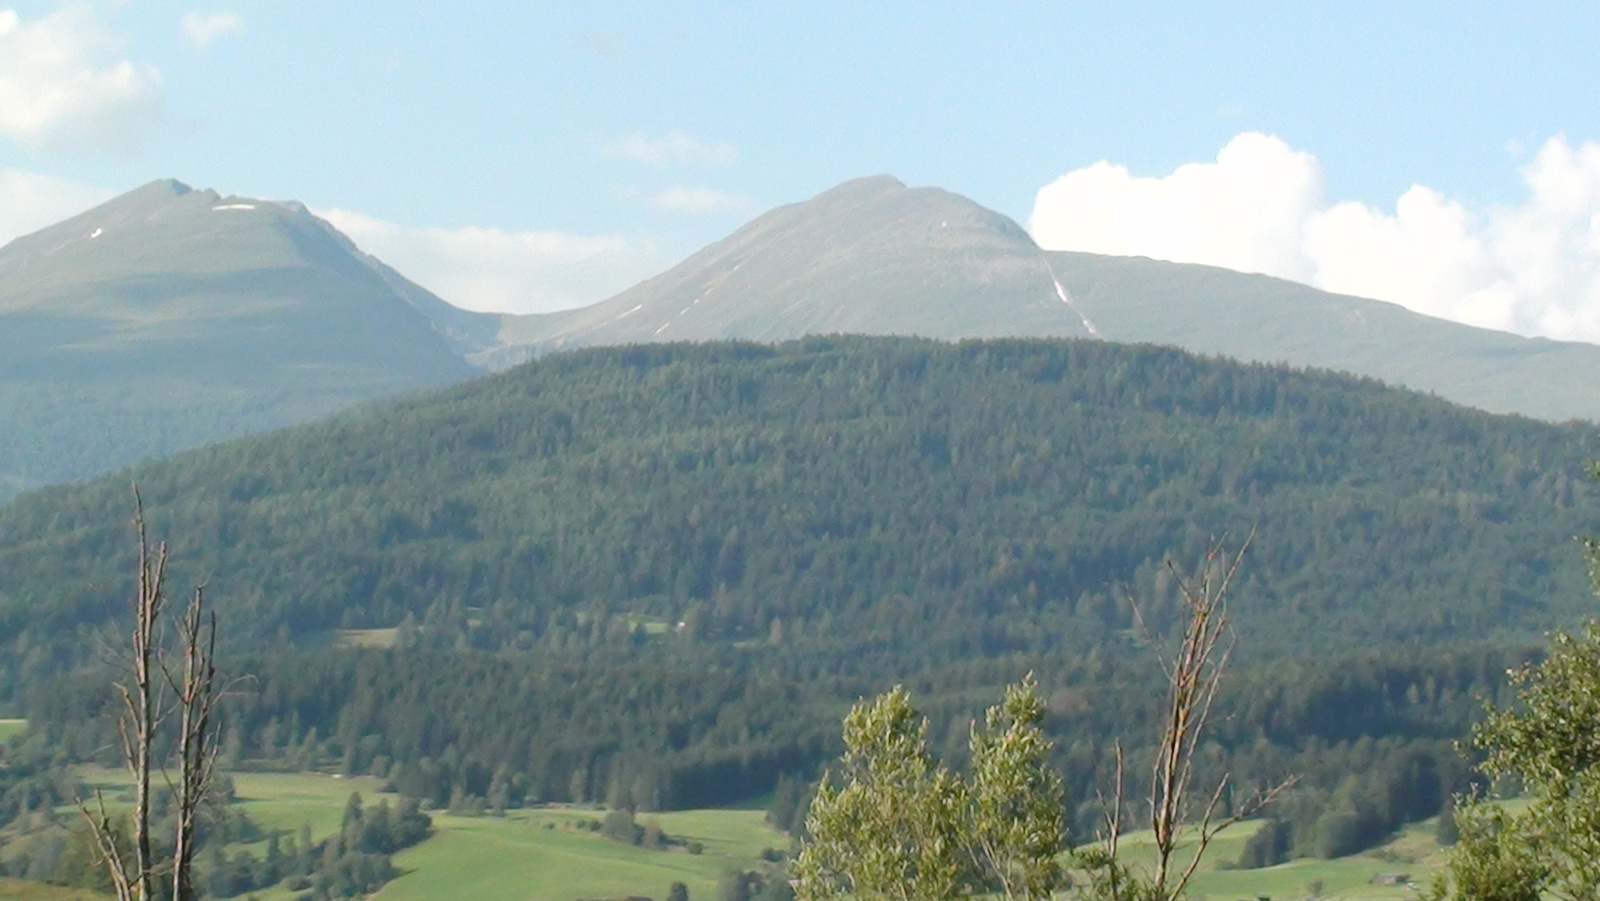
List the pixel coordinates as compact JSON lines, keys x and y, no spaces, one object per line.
{"x":868,"y":503}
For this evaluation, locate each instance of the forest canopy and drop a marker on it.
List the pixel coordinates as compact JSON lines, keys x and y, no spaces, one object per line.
{"x":658,"y":575}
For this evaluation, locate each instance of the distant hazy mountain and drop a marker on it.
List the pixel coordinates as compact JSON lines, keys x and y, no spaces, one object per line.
{"x":875,"y":257}
{"x":1256,"y":317}
{"x":168,"y":318}
{"x":868,"y":257}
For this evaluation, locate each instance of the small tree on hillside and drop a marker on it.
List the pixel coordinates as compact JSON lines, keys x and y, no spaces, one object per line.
{"x":169,"y":697}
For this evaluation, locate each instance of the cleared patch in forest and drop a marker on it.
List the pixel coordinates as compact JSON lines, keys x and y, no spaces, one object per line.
{"x":366,"y":638}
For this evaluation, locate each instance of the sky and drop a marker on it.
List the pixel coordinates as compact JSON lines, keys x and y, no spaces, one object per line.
{"x":538,"y":155}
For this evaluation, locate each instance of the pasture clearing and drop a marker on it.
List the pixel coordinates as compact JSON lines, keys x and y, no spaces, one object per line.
{"x":366,"y":638}
{"x":18,"y":890}
{"x":1412,"y":852}
{"x":545,"y":853}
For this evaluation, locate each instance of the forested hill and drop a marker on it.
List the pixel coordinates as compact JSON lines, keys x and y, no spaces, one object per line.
{"x":846,"y":505}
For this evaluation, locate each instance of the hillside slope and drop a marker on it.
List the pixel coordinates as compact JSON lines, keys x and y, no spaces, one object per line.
{"x":1256,"y":317}
{"x":168,"y":318}
{"x":883,"y":502}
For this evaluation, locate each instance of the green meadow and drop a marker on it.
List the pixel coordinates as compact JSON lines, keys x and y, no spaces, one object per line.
{"x":8,"y":728}
{"x":1413,"y":852}
{"x":543,"y":853}
{"x":290,"y":800}
{"x":552,"y":854}
{"x":18,"y":890}
{"x":547,"y":854}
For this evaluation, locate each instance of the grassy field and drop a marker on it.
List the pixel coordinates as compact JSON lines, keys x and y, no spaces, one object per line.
{"x":9,"y":728}
{"x":366,"y":638}
{"x":290,"y":800}
{"x":1412,"y":852}
{"x":544,"y":853}
{"x":17,"y":890}
{"x":550,"y":855}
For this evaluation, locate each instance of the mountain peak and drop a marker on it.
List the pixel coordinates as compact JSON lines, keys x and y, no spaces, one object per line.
{"x":169,"y":187}
{"x":169,"y":317}
{"x":858,"y":189}
{"x":869,"y":256}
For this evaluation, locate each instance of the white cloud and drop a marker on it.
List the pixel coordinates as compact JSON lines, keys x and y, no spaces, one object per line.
{"x":672,"y":149}
{"x":491,"y":270}
{"x":698,"y":200}
{"x":203,"y":28}
{"x":62,"y":87}
{"x":1243,"y":211}
{"x":30,"y":201}
{"x":1532,"y":268}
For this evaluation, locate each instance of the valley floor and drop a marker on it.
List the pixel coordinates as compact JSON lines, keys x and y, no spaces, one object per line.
{"x":553,"y":854}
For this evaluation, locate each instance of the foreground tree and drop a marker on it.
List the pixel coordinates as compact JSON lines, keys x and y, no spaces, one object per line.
{"x":1016,"y":804}
{"x":893,"y":829}
{"x":901,"y":827}
{"x":1549,"y":742}
{"x":169,"y":698}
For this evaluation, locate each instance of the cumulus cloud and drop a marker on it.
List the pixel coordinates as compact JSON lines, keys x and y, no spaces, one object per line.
{"x":1244,"y":211}
{"x":491,"y":270}
{"x":203,"y":28}
{"x":1531,"y":268}
{"x":698,"y":200}
{"x":671,"y":149}
{"x":63,"y":88}
{"x":30,"y":201}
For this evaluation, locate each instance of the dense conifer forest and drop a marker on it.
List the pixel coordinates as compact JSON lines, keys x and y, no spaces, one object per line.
{"x":657,"y":576}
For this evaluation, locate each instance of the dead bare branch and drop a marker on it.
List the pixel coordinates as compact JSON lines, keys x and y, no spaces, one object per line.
{"x":153,"y":695}
{"x":1193,"y":674}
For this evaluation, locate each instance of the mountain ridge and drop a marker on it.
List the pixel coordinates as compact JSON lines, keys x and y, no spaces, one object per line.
{"x":1263,"y":318}
{"x":170,"y":317}
{"x":866,"y":257}
{"x":889,"y":264}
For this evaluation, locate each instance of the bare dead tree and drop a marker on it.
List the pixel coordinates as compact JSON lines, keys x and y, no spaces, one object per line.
{"x":153,"y":695}
{"x":195,"y":688}
{"x":1193,"y":675}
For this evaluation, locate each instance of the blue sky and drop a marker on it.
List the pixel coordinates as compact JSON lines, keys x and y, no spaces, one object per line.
{"x":534,"y":155}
